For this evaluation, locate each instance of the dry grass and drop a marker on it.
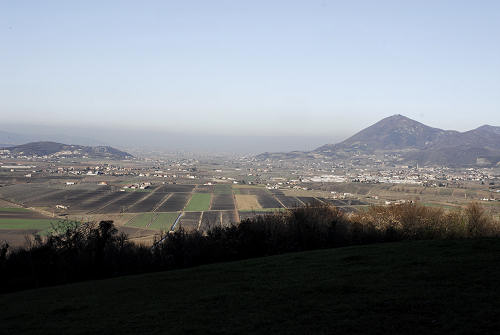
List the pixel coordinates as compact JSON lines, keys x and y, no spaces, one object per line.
{"x":416,"y":221}
{"x":247,"y":202}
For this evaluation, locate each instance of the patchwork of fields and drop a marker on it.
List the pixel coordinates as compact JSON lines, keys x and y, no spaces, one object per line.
{"x":161,"y":208}
{"x":17,"y":223}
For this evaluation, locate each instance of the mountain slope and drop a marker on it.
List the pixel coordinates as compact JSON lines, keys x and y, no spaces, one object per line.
{"x":67,"y":150}
{"x":8,"y":138}
{"x":416,"y":142}
{"x":480,"y":146}
{"x":396,"y":132}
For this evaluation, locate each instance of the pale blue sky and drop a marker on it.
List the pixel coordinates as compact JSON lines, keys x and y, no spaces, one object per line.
{"x":325,"y":68}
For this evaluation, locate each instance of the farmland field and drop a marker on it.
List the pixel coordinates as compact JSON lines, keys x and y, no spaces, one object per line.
{"x":177,"y":188}
{"x":100,"y":200}
{"x":334,"y":202}
{"x":247,"y":202}
{"x":266,"y":200}
{"x":209,"y":219}
{"x":22,"y":218}
{"x":223,"y":189}
{"x":223,"y":201}
{"x":249,"y":190}
{"x":47,"y":199}
{"x":16,"y":223}
{"x":76,"y":197}
{"x":228,"y":218}
{"x":142,"y":220}
{"x":122,"y":204}
{"x":164,"y":221}
{"x":147,"y":204}
{"x":22,"y":224}
{"x":308,"y":200}
{"x":11,"y":210}
{"x":264,"y":197}
{"x":21,"y":193}
{"x":199,"y":202}
{"x":288,"y":202}
{"x":175,"y":203}
{"x":205,"y":188}
{"x":189,"y":221}
{"x":153,"y":221}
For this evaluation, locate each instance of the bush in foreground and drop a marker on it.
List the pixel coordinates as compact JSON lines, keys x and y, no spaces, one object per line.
{"x":95,"y":250}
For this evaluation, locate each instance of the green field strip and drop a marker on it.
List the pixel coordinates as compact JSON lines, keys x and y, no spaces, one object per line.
{"x":14,"y":209}
{"x":26,"y":224}
{"x":141,"y":220}
{"x":164,"y":221}
{"x":199,"y":202}
{"x":431,"y":204}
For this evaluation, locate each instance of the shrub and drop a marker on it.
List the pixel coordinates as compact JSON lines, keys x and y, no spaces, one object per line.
{"x":74,"y":252}
{"x":478,"y":222}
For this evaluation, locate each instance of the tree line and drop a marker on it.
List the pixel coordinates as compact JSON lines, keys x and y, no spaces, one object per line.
{"x":76,"y":252}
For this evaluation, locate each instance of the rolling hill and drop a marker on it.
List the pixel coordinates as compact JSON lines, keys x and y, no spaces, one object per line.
{"x":420,"y":287}
{"x":54,"y":149}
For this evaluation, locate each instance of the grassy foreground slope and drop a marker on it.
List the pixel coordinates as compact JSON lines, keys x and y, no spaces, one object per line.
{"x":424,"y":287}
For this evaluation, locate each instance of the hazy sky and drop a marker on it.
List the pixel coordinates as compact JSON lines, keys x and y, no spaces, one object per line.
{"x":322,"y":68}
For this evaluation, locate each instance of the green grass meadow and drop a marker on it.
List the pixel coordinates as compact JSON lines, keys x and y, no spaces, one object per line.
{"x":26,"y":224}
{"x":156,"y":221}
{"x":199,"y":202}
{"x":164,"y":221}
{"x":141,"y":220}
{"x":419,"y":287}
{"x":14,"y":209}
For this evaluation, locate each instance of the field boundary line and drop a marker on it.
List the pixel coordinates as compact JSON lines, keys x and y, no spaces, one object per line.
{"x":199,"y":221}
{"x":278,"y":200}
{"x":212,"y":196}
{"x":13,"y":203}
{"x":317,"y":199}
{"x":176,"y":221}
{"x":154,"y":217}
{"x":141,"y":200}
{"x":43,"y":195}
{"x":132,"y":218}
{"x":164,"y":200}
{"x":94,"y":211}
{"x":237,"y":213}
{"x":300,"y":201}
{"x":187,"y":202}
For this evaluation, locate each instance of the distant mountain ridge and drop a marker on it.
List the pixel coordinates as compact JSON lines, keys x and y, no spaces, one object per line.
{"x":8,"y":138}
{"x":393,"y":133}
{"x":54,"y":149}
{"x":415,"y":142}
